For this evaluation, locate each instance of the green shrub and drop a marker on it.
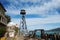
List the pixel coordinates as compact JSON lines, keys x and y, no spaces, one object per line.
{"x":16,"y":29}
{"x":2,"y":31}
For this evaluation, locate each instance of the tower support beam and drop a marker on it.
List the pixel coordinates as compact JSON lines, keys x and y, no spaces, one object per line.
{"x":23,"y":27}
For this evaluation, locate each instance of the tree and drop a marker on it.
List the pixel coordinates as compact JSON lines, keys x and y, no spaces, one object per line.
{"x":2,"y":31}
{"x":16,"y":29}
{"x":8,"y":18}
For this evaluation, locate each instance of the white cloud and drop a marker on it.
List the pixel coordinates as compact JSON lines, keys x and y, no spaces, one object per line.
{"x":16,"y":20}
{"x":44,"y":8}
{"x":15,"y":12}
{"x":37,"y":9}
{"x":40,"y":9}
{"x":34,"y":1}
{"x":36,"y":23}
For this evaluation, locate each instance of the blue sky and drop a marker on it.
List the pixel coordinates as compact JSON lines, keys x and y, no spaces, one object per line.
{"x":40,"y":14}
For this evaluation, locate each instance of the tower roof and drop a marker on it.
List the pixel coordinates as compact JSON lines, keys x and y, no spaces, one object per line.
{"x":23,"y":12}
